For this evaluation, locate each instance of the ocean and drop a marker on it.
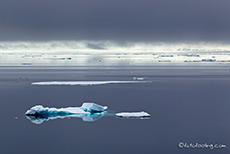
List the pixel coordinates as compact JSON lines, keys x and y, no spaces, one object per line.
{"x":189,"y":108}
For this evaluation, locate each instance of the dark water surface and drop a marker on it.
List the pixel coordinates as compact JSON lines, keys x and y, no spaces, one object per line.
{"x":187,"y":104}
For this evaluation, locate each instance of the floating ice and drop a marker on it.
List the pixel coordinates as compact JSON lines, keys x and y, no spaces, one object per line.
{"x":85,"y":83}
{"x":142,"y":114}
{"x":88,"y":112}
{"x":138,"y":78}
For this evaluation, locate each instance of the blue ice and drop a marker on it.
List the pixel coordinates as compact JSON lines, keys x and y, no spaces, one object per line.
{"x":88,"y":112}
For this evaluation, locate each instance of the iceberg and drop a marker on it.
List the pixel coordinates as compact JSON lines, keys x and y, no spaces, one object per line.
{"x":85,"y":83}
{"x":88,"y":112}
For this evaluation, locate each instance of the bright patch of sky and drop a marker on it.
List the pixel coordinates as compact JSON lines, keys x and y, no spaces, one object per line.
{"x":107,"y":47}
{"x":108,"y":53}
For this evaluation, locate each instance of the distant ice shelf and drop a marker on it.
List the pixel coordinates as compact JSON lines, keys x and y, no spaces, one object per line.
{"x":88,"y":112}
{"x":85,"y":83}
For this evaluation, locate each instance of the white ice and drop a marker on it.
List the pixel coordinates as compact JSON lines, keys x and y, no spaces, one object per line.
{"x":39,"y":108}
{"x":88,"y":112}
{"x":138,"y":78}
{"x":91,"y":107}
{"x":84,"y":83}
{"x":85,"y":108}
{"x":133,"y":114}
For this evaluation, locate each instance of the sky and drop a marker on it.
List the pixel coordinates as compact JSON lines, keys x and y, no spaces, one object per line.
{"x":118,"y":21}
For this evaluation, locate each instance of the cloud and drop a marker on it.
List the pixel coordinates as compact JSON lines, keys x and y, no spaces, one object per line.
{"x":96,"y":46}
{"x":120,"y":21}
{"x":107,"y":47}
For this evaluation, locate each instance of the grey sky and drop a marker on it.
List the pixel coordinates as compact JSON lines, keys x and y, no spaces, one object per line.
{"x":120,"y":20}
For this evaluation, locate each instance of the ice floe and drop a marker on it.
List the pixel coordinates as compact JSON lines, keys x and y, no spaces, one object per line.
{"x":85,"y":83}
{"x":88,"y":112}
{"x":139,"y":78}
{"x":133,"y":115}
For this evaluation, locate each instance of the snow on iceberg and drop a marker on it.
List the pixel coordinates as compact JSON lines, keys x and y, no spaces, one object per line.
{"x":92,"y":107}
{"x":88,"y":112}
{"x":85,"y":83}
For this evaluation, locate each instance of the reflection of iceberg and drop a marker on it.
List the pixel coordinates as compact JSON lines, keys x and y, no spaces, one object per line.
{"x":85,"y":83}
{"x":88,"y":112}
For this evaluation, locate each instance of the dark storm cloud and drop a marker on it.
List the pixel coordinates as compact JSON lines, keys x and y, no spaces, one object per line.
{"x":120,"y":20}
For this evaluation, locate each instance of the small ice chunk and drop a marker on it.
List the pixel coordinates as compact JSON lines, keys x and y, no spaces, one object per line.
{"x":138,"y":78}
{"x":133,"y":114}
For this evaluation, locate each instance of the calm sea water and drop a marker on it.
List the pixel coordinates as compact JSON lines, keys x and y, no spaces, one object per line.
{"x":187,"y":104}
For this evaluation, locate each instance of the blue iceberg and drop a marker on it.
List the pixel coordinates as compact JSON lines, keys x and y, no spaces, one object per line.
{"x":88,"y":112}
